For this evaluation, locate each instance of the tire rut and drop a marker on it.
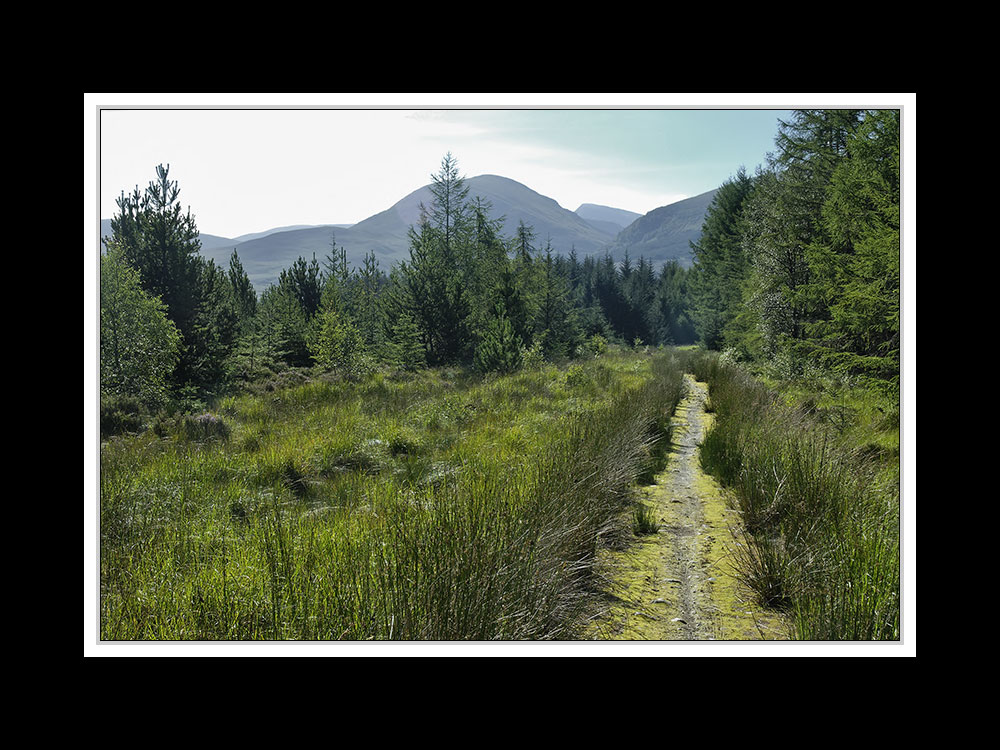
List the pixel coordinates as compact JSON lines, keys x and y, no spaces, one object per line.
{"x":678,"y":584}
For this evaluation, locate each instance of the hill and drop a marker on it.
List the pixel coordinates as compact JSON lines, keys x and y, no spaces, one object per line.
{"x":386,"y":233}
{"x":665,"y":233}
{"x":662,"y":234}
{"x":605,"y":218}
{"x":208,"y":241}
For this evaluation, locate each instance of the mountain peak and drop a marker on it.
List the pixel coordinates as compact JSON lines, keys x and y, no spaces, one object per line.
{"x":592,"y":229}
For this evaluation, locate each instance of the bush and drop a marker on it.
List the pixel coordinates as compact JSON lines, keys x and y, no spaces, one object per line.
{"x":644,"y":520}
{"x":205,"y":427}
{"x":822,"y":535}
{"x":596,"y":345}
{"x":500,"y":349}
{"x":121,"y":414}
{"x":338,"y":344}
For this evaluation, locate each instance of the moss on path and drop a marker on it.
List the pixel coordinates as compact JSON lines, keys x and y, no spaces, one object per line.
{"x":679,"y":583}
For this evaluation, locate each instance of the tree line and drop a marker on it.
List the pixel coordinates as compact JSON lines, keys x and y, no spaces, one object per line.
{"x":797,"y":263}
{"x":176,"y":328}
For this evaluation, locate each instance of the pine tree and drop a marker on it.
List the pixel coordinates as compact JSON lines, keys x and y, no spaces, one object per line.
{"x":162,"y":244}
{"x":555,"y":325}
{"x":367,"y":307}
{"x":304,"y":281}
{"x":862,"y":219}
{"x":285,"y":329}
{"x":500,"y":347}
{"x":338,"y":344}
{"x":721,"y":263}
{"x":435,"y":275}
{"x":215,"y":329}
{"x":244,"y":295}
{"x":488,"y":263}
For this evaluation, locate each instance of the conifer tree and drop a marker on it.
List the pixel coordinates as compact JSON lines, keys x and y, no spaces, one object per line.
{"x":337,"y":344}
{"x":367,"y":304}
{"x":244,"y":295}
{"x":499,"y":349}
{"x":555,"y":325}
{"x":435,"y":275}
{"x":721,"y":263}
{"x":862,"y":219}
{"x":163,"y":244}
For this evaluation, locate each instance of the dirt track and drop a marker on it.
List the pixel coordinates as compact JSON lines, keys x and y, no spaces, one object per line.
{"x":678,"y":584}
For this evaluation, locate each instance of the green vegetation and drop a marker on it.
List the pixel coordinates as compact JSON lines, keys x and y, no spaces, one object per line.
{"x":435,"y":505}
{"x":820,"y":507}
{"x":797,"y":268}
{"x":467,"y":297}
{"x":434,"y":452}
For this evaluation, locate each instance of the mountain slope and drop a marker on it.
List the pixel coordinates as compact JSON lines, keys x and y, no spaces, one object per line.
{"x":387,"y":232}
{"x":208,"y":241}
{"x":605,"y":217}
{"x":665,"y":233}
{"x":662,"y":234}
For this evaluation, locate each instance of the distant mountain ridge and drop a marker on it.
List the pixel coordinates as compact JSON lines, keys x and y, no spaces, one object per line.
{"x":614,"y":219}
{"x":661,"y":235}
{"x":665,"y":233}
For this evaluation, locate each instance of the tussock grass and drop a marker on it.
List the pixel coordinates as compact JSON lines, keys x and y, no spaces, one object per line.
{"x":822,"y":516}
{"x":644,"y":520}
{"x":431,"y":506}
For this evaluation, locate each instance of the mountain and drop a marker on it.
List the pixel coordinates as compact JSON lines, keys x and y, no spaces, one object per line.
{"x":605,"y":218}
{"x":665,"y":233}
{"x":662,"y":234}
{"x":387,"y":232}
{"x":208,"y":241}
{"x":258,"y":235}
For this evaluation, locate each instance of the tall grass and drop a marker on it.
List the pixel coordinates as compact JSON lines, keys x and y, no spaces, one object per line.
{"x":821,"y":517}
{"x":433,"y":506}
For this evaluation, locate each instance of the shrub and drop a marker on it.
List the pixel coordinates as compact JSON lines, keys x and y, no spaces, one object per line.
{"x":500,"y":349}
{"x":596,"y":345}
{"x":204,"y":427}
{"x":338,"y":344}
{"x":120,"y":414}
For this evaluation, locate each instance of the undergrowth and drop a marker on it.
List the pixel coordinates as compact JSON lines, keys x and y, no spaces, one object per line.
{"x":820,"y":506}
{"x":436,"y":505}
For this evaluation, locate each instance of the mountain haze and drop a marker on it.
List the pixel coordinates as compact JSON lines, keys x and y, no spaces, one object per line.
{"x":665,"y":233}
{"x":605,"y":218}
{"x":387,"y":232}
{"x":660,"y":235}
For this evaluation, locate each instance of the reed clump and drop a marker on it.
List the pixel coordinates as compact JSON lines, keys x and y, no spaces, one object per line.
{"x":821,"y":517}
{"x":433,"y":506}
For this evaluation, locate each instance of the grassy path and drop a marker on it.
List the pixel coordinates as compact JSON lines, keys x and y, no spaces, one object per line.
{"x":678,"y":584}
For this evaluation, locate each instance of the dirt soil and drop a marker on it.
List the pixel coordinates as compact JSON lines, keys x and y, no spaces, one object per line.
{"x":679,"y":583}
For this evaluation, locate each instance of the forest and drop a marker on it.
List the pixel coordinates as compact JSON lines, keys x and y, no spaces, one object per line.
{"x":795,"y":279}
{"x":798,"y":264}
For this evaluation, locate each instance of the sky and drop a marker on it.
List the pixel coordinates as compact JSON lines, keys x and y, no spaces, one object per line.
{"x":250,"y":163}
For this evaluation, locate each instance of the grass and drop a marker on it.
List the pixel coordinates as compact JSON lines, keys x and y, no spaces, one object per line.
{"x":436,"y":505}
{"x":644,"y":519}
{"x":820,"y":505}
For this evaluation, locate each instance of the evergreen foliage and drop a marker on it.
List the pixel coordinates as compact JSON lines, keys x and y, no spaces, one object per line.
{"x":500,"y":347}
{"x":800,"y":264}
{"x":338,"y":344}
{"x":796,"y":265}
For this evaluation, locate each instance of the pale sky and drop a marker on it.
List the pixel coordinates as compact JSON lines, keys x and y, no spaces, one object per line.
{"x":284,"y":161}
